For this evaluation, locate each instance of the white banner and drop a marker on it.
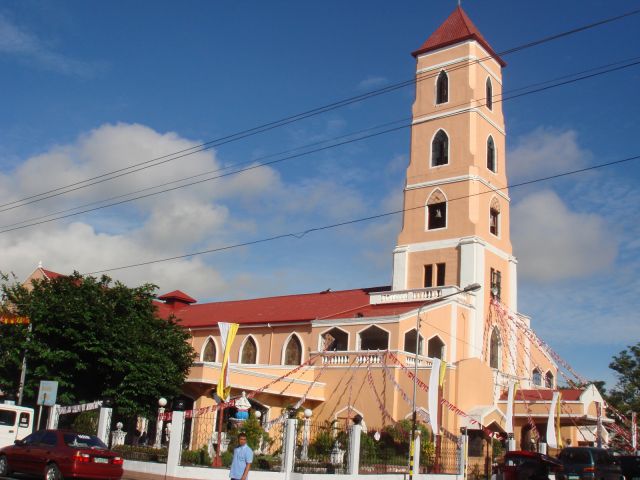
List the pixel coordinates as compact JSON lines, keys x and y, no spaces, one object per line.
{"x":509,"y":423}
{"x":83,"y":407}
{"x":434,"y":384}
{"x":552,"y":438}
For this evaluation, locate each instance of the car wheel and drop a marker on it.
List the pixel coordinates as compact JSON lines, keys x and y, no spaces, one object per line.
{"x":4,"y":466}
{"x":52,"y":472}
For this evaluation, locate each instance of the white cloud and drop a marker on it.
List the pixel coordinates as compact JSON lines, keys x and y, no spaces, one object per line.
{"x":19,"y":42}
{"x":169,"y":224}
{"x":545,"y":151}
{"x":554,"y":243}
{"x":372,"y":82}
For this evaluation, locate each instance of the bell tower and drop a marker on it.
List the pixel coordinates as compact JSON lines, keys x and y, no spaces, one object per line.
{"x":455,"y":228}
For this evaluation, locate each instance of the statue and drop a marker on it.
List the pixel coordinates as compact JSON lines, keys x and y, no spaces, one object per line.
{"x":243,"y":406}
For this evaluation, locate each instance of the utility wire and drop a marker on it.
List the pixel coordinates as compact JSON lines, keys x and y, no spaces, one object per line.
{"x":300,"y":116}
{"x":45,"y":219}
{"x":301,"y":234}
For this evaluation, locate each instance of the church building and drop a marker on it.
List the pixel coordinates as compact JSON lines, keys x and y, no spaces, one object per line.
{"x":358,"y":347}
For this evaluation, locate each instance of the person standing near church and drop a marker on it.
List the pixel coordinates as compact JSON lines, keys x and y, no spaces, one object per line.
{"x":242,"y":458}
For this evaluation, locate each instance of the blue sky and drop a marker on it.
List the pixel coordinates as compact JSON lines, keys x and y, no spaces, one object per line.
{"x":87,"y":88}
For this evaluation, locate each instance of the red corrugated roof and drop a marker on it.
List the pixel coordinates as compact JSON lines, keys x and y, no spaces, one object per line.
{"x":568,"y":394}
{"x":457,"y":28}
{"x":288,"y":308}
{"x":177,"y":295}
{"x":51,"y":275}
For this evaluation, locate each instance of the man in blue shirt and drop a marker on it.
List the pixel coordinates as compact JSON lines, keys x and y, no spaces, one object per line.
{"x":242,"y":458}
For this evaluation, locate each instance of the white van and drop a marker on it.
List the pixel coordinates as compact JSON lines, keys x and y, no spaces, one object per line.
{"x":15,"y":423}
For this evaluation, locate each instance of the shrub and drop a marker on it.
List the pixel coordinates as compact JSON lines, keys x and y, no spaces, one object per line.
{"x":196,"y":457}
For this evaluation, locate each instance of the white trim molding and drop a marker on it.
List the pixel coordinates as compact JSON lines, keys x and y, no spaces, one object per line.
{"x":428,"y":118}
{"x":462,"y":178}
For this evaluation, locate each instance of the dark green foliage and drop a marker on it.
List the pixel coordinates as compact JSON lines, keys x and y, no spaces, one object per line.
{"x":394,"y":443}
{"x":145,"y":454}
{"x":86,"y":422}
{"x":196,"y":457}
{"x":227,"y":458}
{"x":97,"y":339}
{"x":625,"y":396}
{"x":252,"y":429}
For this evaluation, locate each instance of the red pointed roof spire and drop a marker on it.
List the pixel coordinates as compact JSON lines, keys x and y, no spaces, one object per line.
{"x":457,"y":28}
{"x":177,"y":296}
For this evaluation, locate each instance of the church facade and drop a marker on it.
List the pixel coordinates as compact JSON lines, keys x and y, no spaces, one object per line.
{"x":357,"y":347}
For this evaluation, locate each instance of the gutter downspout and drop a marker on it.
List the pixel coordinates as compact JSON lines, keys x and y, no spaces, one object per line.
{"x":270,"y":341}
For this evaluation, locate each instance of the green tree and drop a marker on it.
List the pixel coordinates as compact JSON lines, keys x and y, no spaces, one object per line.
{"x":98,"y":339}
{"x":625,"y":395}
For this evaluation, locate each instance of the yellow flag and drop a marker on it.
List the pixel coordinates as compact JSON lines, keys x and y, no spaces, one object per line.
{"x":558,"y":421}
{"x":443,"y":370}
{"x":227,"y":334}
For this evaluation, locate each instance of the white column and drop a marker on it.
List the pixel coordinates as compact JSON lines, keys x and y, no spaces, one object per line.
{"x":104,"y":424}
{"x":353,"y":464}
{"x":542,"y":448}
{"x":159,"y":425}
{"x":400,"y":261}
{"x":416,"y":452}
{"x":472,"y":270}
{"x":289,"y":446}
{"x":54,"y":416}
{"x":464,"y":453}
{"x":175,"y":441}
{"x":513,"y":284}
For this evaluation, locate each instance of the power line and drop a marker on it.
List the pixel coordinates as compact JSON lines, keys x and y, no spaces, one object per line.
{"x":300,"y":116}
{"x":301,"y":234}
{"x":545,"y":86}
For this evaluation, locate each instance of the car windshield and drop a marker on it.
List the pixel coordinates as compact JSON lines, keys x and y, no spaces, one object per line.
{"x":83,"y":441}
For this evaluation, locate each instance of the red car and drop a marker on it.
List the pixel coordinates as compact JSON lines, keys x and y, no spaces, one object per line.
{"x":57,"y":454}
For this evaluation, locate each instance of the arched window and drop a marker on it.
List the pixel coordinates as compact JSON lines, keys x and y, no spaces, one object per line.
{"x":436,"y":210}
{"x":489,"y":94}
{"x":293,"y":351}
{"x":494,"y":217}
{"x":548,"y":379}
{"x":536,"y":377}
{"x":491,"y":154}
{"x":374,"y":338}
{"x":209,"y":351}
{"x":440,"y":149}
{"x":495,"y":349}
{"x":249,"y":352}
{"x":435,"y":348}
{"x":442,"y":88}
{"x":335,"y":340}
{"x":410,"y":342}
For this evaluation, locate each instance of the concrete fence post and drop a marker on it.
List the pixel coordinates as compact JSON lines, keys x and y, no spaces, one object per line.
{"x":353,"y":462}
{"x":464,"y":453}
{"x":175,"y":441}
{"x":290,"y":435}
{"x":416,"y":452}
{"x":104,"y":424}
{"x":54,"y":416}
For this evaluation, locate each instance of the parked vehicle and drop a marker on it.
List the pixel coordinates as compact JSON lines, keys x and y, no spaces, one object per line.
{"x":524,"y":465}
{"x":15,"y":423}
{"x":630,"y":465}
{"x":56,"y":454}
{"x":589,"y":463}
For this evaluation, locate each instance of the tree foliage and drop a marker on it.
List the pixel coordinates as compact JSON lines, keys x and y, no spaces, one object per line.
{"x":95,"y":337}
{"x":625,"y":396}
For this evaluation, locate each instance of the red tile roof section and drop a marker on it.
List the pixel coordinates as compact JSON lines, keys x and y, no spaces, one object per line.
{"x":51,"y":275}
{"x":457,"y":28}
{"x":289,"y":308}
{"x":569,"y":395}
{"x":177,"y":296}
